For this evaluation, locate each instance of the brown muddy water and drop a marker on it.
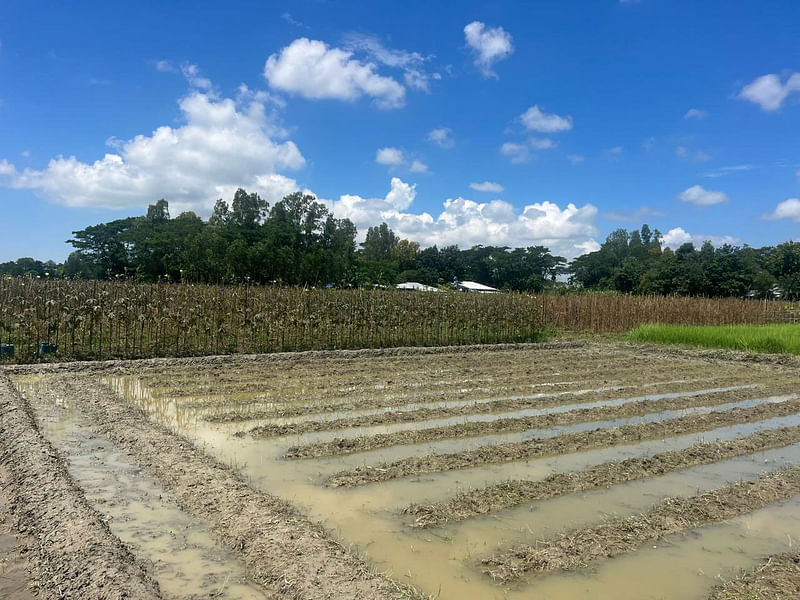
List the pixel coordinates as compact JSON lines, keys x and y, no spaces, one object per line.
{"x":179,"y":551}
{"x":443,"y":561}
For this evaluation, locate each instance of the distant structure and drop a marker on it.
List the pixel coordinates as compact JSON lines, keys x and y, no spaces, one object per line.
{"x":416,"y":287}
{"x":775,"y":292}
{"x":473,"y":286}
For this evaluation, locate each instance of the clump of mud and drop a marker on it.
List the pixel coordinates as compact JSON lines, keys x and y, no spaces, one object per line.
{"x":777,"y":578}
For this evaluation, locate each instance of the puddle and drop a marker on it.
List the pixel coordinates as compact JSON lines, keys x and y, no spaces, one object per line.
{"x":443,"y":561}
{"x":186,"y":560}
{"x":703,"y":558}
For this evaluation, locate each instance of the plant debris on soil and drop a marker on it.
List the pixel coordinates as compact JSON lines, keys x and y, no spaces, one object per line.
{"x":512,"y":493}
{"x":340,"y":446}
{"x":541,"y":400}
{"x":561,"y":444}
{"x":674,"y":515}
{"x":777,"y":578}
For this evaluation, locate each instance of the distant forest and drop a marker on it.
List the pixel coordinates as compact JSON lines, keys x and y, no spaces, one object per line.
{"x":297,"y":242}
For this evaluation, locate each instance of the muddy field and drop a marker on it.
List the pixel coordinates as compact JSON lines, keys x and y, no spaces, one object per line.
{"x":549,"y":471}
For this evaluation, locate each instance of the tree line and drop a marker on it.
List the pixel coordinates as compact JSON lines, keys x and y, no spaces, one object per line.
{"x":298,"y":242}
{"x":636,"y":262}
{"x":295,"y":242}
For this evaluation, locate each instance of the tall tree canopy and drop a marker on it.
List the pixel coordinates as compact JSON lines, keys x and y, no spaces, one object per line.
{"x":298,"y":242}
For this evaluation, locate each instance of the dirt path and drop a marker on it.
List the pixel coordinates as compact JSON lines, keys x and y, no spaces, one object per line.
{"x":777,"y":578}
{"x":342,"y":446}
{"x":282,"y":549}
{"x":516,"y":492}
{"x":74,"y":555}
{"x":674,"y":515}
{"x":561,"y":444}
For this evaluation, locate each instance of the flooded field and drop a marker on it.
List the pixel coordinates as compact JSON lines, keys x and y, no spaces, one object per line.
{"x":591,"y":471}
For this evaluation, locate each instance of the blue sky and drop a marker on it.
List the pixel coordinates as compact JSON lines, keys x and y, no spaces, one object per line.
{"x":503,"y":123}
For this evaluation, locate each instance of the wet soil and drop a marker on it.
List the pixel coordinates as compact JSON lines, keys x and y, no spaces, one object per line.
{"x":674,"y":515}
{"x":550,"y":399}
{"x":14,"y":581}
{"x":181,"y":553}
{"x":503,"y":386}
{"x":282,"y":548}
{"x":516,"y":492}
{"x":298,"y":558}
{"x":339,"y":446}
{"x":561,"y":444}
{"x":73,"y":553}
{"x":777,"y":578}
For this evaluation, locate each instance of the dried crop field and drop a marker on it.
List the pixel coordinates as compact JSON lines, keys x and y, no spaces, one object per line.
{"x":123,"y":319}
{"x":549,"y":471}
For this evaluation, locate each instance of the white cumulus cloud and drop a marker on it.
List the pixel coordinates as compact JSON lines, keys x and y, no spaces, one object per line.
{"x":541,"y":143}
{"x":569,"y":231}
{"x":700,"y":196}
{"x":441,"y":136}
{"x":487,"y":186}
{"x":412,"y":63}
{"x":6,"y":168}
{"x":695,"y":113}
{"x":788,"y":209}
{"x":397,"y":157}
{"x":312,"y":69}
{"x":390,"y":156}
{"x":417,"y":166}
{"x":401,"y":195}
{"x":676,"y":237}
{"x":223,"y":144}
{"x":769,"y":92}
{"x":535,"y":119}
{"x":192,"y":74}
{"x":516,"y":153}
{"x":489,"y":45}
{"x":165,"y":66}
{"x":521,"y":153}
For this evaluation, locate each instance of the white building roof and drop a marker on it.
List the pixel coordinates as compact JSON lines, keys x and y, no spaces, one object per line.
{"x":415,"y":286}
{"x":474,"y":286}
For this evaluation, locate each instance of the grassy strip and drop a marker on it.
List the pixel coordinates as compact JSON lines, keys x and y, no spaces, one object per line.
{"x":562,"y":444}
{"x":777,"y":578}
{"x":618,"y":536}
{"x":776,"y":339}
{"x":513,"y":493}
{"x":635,"y":407}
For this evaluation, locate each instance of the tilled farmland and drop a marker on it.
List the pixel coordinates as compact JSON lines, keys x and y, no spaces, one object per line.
{"x":554,"y":471}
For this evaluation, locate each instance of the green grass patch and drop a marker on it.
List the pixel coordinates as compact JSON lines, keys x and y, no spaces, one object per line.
{"x":775,"y":339}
